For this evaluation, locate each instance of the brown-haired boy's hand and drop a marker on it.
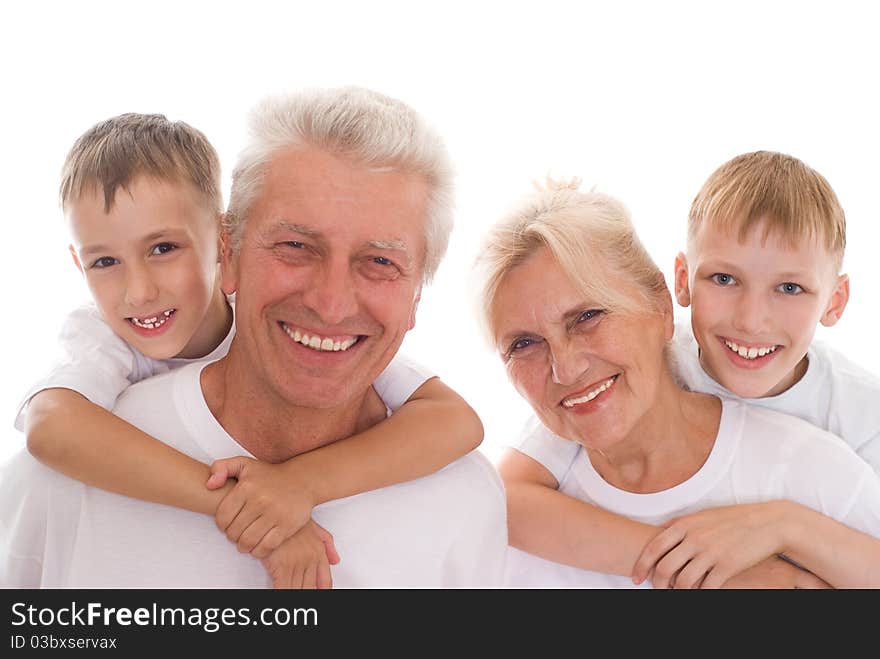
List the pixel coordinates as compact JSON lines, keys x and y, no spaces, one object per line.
{"x":264,"y":508}
{"x":303,"y":560}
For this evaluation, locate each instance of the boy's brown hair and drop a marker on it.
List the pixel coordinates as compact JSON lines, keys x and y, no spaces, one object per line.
{"x":796,"y":200}
{"x":112,"y":153}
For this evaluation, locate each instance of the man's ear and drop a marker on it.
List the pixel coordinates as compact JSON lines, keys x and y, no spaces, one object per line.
{"x":837,"y":302}
{"x":228,"y":264}
{"x":682,"y":286}
{"x":415,"y":306}
{"x":76,"y":260}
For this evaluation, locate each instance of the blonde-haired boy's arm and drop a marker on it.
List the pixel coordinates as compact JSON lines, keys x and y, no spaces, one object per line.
{"x":708,"y":548}
{"x":548,"y":523}
{"x":80,"y":439}
{"x":432,"y":429}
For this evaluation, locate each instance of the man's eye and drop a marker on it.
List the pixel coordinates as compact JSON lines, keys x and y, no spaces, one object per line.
{"x":790,"y":288}
{"x":293,"y":243}
{"x":381,"y":260}
{"x":104,"y":262}
{"x":723,"y":279}
{"x":163,"y":248}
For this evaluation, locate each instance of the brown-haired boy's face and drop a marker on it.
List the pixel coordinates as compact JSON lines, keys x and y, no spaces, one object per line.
{"x":755,"y":306}
{"x":151,"y":264}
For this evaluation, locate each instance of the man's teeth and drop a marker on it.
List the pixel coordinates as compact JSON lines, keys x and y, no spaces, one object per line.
{"x":154,"y":322}
{"x":749,"y":353}
{"x":318,"y":343}
{"x":590,"y":395}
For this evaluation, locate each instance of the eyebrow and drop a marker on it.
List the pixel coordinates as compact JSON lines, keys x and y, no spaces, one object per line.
{"x":161,"y":233}
{"x":395,"y":245}
{"x":567,"y":317}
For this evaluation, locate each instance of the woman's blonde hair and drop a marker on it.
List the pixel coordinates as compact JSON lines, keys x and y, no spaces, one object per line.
{"x":589,"y":235}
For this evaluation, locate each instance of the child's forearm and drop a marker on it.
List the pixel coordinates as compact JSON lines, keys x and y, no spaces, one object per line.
{"x":843,"y":557}
{"x":434,"y":428}
{"x":82,"y":440}
{"x":560,"y":528}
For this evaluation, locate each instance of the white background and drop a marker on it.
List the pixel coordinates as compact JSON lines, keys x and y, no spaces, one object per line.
{"x":642,"y":100}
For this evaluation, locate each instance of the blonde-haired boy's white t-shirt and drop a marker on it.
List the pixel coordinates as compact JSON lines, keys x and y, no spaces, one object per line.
{"x":759,"y":455}
{"x":834,"y":394}
{"x":448,"y":529}
{"x":95,"y":362}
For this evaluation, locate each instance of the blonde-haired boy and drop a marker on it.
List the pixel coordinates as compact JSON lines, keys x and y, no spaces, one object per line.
{"x":765,"y":247}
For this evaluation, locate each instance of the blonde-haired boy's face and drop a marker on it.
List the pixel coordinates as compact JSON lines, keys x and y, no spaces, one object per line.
{"x":755,"y":306}
{"x":151,"y":264}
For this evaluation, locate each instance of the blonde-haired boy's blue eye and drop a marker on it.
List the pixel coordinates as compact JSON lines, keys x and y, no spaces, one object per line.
{"x":790,"y":288}
{"x":723,"y":279}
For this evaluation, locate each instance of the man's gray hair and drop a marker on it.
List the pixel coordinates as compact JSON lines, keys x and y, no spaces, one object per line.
{"x":371,"y":128}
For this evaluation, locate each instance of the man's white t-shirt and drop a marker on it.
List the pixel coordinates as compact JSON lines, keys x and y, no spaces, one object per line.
{"x":448,"y":529}
{"x":759,"y":455}
{"x":95,"y":362}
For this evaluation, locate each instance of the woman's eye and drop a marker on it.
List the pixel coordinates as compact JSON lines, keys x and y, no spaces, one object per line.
{"x":519,"y":344}
{"x":790,"y":288}
{"x":723,"y":279}
{"x":104,"y":262}
{"x":163,"y":248}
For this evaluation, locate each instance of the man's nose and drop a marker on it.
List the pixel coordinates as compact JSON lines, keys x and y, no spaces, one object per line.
{"x":570,"y":362}
{"x":140,"y":289}
{"x":331,"y":293}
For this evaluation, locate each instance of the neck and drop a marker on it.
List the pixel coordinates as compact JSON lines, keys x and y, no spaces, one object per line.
{"x":213,"y":329}
{"x":667,"y":445}
{"x":272,"y":428}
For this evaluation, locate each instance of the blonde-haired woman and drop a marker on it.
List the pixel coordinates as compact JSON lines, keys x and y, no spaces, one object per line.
{"x":582,"y":318}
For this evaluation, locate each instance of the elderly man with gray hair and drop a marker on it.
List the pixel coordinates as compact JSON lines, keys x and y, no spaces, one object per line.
{"x":340,"y":211}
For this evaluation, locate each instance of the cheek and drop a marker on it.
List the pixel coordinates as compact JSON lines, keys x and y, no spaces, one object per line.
{"x":527,"y":379}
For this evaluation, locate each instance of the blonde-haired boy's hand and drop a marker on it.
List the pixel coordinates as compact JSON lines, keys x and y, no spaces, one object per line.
{"x":266,"y":506}
{"x":708,"y":548}
{"x":303,"y":560}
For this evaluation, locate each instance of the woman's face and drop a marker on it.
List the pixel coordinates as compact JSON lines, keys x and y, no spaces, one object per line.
{"x":590,"y":374}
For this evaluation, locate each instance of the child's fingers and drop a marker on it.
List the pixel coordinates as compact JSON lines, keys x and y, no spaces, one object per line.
{"x":656,"y":549}
{"x":329,"y":546}
{"x":230,"y":467}
{"x":310,"y":577}
{"x":229,"y":508}
{"x":325,"y":577}
{"x":269,"y":543}
{"x":253,"y":535}
{"x":218,"y":476}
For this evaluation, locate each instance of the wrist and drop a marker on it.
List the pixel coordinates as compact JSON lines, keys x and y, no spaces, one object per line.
{"x":297,"y":472}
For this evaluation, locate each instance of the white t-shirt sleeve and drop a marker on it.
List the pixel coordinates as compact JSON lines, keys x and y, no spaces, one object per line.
{"x":551,"y":450}
{"x":93,"y":361}
{"x":399,"y":380}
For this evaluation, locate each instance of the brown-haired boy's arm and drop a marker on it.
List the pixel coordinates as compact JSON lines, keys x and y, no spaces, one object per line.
{"x":432,"y":429}
{"x":80,"y":439}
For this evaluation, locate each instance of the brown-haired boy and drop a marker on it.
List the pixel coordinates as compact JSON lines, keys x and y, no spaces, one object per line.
{"x":142,"y":198}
